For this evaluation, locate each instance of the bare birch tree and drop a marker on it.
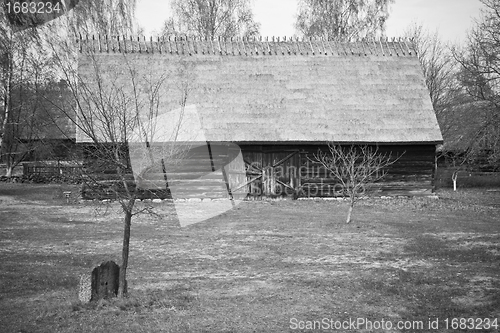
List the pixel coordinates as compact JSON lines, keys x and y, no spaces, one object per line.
{"x":105,"y":17}
{"x":355,"y":167}
{"x":212,"y":18}
{"x":342,"y":19}
{"x":6,"y":77}
{"x":22,"y":69}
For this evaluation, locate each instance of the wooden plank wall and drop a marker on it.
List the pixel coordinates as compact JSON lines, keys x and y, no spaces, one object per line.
{"x":195,"y":173}
{"x":412,"y":174}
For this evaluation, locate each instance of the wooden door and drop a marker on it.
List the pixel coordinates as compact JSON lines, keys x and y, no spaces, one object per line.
{"x":272,"y":173}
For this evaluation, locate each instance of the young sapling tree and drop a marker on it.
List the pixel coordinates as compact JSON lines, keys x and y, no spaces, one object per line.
{"x":355,"y":167}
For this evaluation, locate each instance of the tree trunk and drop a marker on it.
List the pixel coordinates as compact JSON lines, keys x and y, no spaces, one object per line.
{"x":349,"y":212}
{"x":122,"y":289}
{"x":8,"y":171}
{"x":6,"y":107}
{"x":454,"y":177}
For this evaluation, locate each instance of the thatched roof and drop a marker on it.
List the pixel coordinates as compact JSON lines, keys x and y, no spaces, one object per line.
{"x":464,"y":125}
{"x":288,"y":91}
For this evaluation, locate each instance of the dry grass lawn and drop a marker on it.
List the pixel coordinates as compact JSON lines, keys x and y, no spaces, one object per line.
{"x":261,"y":267}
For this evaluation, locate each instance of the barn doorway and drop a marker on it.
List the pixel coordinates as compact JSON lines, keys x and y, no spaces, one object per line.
{"x":272,"y":173}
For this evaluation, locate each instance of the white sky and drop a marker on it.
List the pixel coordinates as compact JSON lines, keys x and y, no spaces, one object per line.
{"x":452,"y":18}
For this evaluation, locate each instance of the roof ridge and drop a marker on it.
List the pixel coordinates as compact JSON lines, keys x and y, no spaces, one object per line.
{"x":246,"y":46}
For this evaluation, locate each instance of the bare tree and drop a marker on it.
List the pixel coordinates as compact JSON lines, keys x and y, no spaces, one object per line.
{"x":440,"y":72}
{"x":355,"y":167}
{"x":22,"y":70}
{"x":6,"y":77}
{"x":25,"y":58}
{"x":479,"y":76}
{"x":105,"y":17}
{"x":212,"y":18}
{"x":115,"y":112}
{"x":342,"y":19}
{"x":438,"y":65}
{"x":25,"y":130}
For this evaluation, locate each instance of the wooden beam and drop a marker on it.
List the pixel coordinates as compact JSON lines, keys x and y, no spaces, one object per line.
{"x":247,"y":183}
{"x":284,"y":159}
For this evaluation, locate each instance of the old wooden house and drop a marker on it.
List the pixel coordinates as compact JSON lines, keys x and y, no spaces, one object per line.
{"x":282,"y":100}
{"x":37,"y":128}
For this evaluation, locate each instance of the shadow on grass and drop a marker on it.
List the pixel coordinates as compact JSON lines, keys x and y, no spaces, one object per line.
{"x":43,"y":273}
{"x":175,"y":299}
{"x":430,"y":295}
{"x":457,"y":283}
{"x":427,"y":246}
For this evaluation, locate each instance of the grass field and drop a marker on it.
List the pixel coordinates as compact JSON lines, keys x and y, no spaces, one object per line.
{"x":281,"y":266}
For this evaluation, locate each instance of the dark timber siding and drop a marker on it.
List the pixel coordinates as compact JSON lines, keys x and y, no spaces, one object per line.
{"x":412,"y":174}
{"x":286,"y":170}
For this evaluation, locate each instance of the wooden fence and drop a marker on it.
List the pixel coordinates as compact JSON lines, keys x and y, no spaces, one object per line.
{"x":51,"y":170}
